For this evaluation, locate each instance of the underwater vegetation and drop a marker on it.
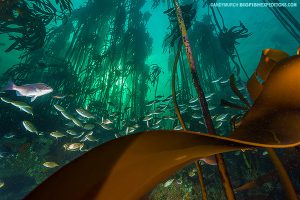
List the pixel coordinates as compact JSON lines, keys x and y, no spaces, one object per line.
{"x":87,"y":113}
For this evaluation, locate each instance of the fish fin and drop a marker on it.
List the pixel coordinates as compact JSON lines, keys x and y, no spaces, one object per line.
{"x":33,"y":98}
{"x":9,"y":86}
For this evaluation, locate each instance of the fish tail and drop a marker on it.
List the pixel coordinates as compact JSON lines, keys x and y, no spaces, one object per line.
{"x":9,"y":86}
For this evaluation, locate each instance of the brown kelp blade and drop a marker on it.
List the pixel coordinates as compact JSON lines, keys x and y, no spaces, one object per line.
{"x":268,"y":60}
{"x":128,"y":167}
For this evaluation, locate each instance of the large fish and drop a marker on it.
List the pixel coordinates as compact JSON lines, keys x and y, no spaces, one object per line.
{"x":29,"y":90}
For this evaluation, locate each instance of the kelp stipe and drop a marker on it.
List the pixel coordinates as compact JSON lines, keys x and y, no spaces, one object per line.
{"x":177,"y":111}
{"x":203,"y":103}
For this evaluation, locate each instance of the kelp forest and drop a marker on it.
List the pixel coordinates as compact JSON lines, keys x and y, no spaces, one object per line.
{"x":112,"y":74}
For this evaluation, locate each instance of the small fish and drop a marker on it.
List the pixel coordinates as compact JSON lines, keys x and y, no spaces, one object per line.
{"x":9,"y":135}
{"x":27,"y":110}
{"x":157,"y":122}
{"x":2,"y":184}
{"x":67,"y":115}
{"x":79,"y":136}
{"x":57,"y":134}
{"x":73,"y":146}
{"x":168,"y":183}
{"x":19,"y":104}
{"x":77,"y":122}
{"x":6,"y":100}
{"x":72,"y":132}
{"x":136,"y":126}
{"x":196,"y":108}
{"x":29,"y":90}
{"x":217,"y":80}
{"x":177,"y":128}
{"x":58,"y":107}
{"x":85,"y":113}
{"x":226,"y":81}
{"x":193,"y":105}
{"x":150,"y":103}
{"x":197,"y":116}
{"x":106,"y":121}
{"x":147,"y":118}
{"x":50,"y":164}
{"x":193,"y":100}
{"x":89,"y":137}
{"x":88,"y":127}
{"x":61,"y":96}
{"x":159,"y":97}
{"x":30,"y":127}
{"x":221,"y":117}
{"x":105,"y":126}
{"x":129,"y":130}
{"x":156,"y":126}
{"x":179,"y":181}
{"x":156,"y":112}
{"x":209,"y":95}
{"x":211,"y":107}
{"x":169,"y":118}
{"x":183,"y":110}
{"x":218,"y":125}
{"x":235,"y":98}
{"x":265,"y":153}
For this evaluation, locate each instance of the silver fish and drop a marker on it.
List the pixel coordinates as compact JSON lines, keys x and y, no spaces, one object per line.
{"x":72,"y":132}
{"x":29,"y":90}
{"x":218,"y":125}
{"x":221,"y":117}
{"x":129,"y":130}
{"x":27,"y":110}
{"x":105,"y":126}
{"x":177,"y":128}
{"x":217,"y":80}
{"x":30,"y":127}
{"x":57,"y":134}
{"x":193,"y":100}
{"x":59,"y":108}
{"x":77,"y":122}
{"x":209,"y":95}
{"x":211,"y":107}
{"x":6,"y":100}
{"x":67,"y":115}
{"x":89,"y":127}
{"x":197,"y":116}
{"x":226,"y":81}
{"x":85,"y":113}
